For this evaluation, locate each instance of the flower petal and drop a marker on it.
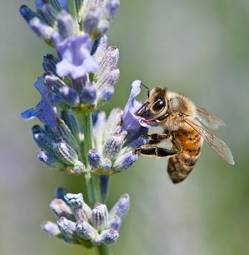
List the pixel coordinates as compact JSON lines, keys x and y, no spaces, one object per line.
{"x":76,"y":58}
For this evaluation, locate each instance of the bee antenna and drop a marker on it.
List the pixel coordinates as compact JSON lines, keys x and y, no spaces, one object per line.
{"x":147,"y":88}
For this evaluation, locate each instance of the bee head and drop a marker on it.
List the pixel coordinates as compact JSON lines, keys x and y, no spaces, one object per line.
{"x":155,"y":107}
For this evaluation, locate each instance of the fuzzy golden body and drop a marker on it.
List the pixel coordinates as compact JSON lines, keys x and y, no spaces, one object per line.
{"x":182,"y":122}
{"x":185,"y":137}
{"x":181,"y":164}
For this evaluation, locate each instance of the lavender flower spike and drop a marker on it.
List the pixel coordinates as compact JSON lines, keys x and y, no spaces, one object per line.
{"x":96,"y":20}
{"x":108,"y":73}
{"x":117,"y":137}
{"x":74,"y":135}
{"x":95,"y":228}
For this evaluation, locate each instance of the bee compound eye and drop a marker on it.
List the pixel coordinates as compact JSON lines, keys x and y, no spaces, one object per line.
{"x":158,"y":105}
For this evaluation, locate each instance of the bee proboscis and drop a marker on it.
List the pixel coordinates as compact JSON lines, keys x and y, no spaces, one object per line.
{"x":185,"y":127}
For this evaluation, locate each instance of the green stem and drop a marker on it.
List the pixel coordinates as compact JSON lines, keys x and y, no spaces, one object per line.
{"x":92,"y":185}
{"x":91,"y":189}
{"x":73,"y":11}
{"x":87,"y":120}
{"x":104,"y":250}
{"x":88,"y":144}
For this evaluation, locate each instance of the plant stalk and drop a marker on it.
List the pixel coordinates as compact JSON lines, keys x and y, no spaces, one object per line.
{"x":73,"y":11}
{"x":92,"y":184}
{"x":104,"y":250}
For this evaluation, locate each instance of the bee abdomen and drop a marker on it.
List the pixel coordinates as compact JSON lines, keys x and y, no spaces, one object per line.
{"x":180,"y":165}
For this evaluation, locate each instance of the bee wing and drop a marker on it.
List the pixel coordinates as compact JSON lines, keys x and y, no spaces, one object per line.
{"x":209,"y":119}
{"x":213,"y":141}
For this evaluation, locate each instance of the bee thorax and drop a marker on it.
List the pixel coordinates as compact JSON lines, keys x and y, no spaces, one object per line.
{"x":181,"y":104}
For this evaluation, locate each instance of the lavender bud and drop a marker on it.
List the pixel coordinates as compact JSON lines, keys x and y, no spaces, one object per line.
{"x":106,"y":164}
{"x":51,"y":228}
{"x":48,"y":13}
{"x":47,"y":112}
{"x":115,"y":222}
{"x":49,"y":63}
{"x":113,"y":145}
{"x":99,"y":216}
{"x":89,"y":93}
{"x":94,"y":158}
{"x":49,"y":159}
{"x":67,"y":228}
{"x":42,"y":30}
{"x":91,"y":22}
{"x":108,"y":61}
{"x":60,"y":208}
{"x":67,"y":94}
{"x":75,"y":201}
{"x":65,"y":24}
{"x":66,"y":134}
{"x":106,"y":85}
{"x":27,"y":13}
{"x":66,"y":153}
{"x":86,"y":231}
{"x":81,"y":210}
{"x":97,"y":161}
{"x":108,"y":79}
{"x":108,"y":236}
{"x":71,"y":121}
{"x":108,"y":73}
{"x":41,"y":138}
{"x":121,"y":207}
{"x":125,"y":161}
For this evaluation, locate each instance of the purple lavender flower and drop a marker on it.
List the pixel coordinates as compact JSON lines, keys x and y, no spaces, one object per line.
{"x":96,"y":20}
{"x":41,"y":28}
{"x":45,"y":110}
{"x":76,"y":59}
{"x":130,"y":122}
{"x":59,"y":148}
{"x":53,"y":91}
{"x":78,"y":223}
{"x":116,"y":137}
{"x":60,"y":90}
{"x":89,"y":93}
{"x":76,"y":83}
{"x":108,"y":73}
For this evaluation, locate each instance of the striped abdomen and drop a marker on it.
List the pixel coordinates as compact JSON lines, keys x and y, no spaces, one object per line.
{"x":181,"y":164}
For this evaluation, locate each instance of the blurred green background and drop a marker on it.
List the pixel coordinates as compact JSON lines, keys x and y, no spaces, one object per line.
{"x":198,"y":48}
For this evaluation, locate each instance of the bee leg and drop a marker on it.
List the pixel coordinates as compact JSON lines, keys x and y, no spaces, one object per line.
{"x":153,"y":150}
{"x":157,"y":138}
{"x":176,"y":146}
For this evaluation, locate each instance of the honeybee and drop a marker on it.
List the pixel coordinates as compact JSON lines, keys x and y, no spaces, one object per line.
{"x":183,"y":123}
